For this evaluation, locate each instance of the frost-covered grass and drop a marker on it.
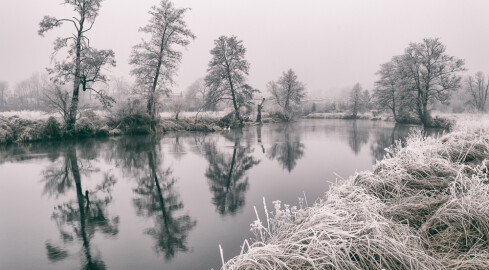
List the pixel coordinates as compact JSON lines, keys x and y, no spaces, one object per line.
{"x":425,"y":206}
{"x":207,"y":114}
{"x":28,"y":126}
{"x":344,"y":116}
{"x":28,"y":115}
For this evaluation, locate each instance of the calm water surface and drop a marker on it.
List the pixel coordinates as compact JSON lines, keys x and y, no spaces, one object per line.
{"x":168,"y":202}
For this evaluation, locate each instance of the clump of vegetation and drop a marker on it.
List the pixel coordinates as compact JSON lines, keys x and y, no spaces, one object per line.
{"x":52,"y":129}
{"x":130,"y":117}
{"x":6,"y":134}
{"x":189,"y":124}
{"x":424,"y":206}
{"x":440,"y":122}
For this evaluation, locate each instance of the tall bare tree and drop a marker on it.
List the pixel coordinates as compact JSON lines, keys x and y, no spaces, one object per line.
{"x":430,"y":74}
{"x":227,"y":73}
{"x":156,"y":60}
{"x":478,"y":88}
{"x":83,"y":64}
{"x":3,"y":89}
{"x":287,"y":92}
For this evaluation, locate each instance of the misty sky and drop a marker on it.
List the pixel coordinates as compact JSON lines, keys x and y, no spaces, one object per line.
{"x":330,"y":44}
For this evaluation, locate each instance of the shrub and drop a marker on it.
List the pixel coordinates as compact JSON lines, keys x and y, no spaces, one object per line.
{"x":52,"y":129}
{"x":129,"y":116}
{"x":85,"y":127}
{"x":278,"y":117}
{"x":440,"y":122}
{"x":6,"y":134}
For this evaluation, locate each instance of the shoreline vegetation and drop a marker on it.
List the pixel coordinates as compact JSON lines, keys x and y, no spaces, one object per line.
{"x":26,"y":126}
{"x":424,"y":206}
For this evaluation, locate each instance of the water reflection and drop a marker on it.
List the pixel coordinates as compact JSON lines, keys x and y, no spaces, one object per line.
{"x":156,"y":199}
{"x":288,"y":148}
{"x":79,"y":219}
{"x":384,"y":138}
{"x":227,"y":174}
{"x":222,"y":166}
{"x":177,"y":147}
{"x":357,"y":137}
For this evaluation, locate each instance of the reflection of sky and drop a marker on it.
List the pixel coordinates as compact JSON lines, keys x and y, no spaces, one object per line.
{"x":26,"y":215}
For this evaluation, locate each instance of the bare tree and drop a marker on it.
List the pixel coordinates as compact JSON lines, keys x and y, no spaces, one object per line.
{"x":430,"y":74}
{"x":478,"y":88}
{"x":287,"y":92}
{"x":83,"y":64}
{"x":196,"y":93}
{"x":355,"y":99}
{"x":57,"y":99}
{"x":3,"y":89}
{"x":366,"y":101}
{"x":120,"y":88}
{"x":387,"y":90}
{"x":177,"y":105}
{"x":156,"y":60}
{"x":29,"y":91}
{"x":227,"y":73}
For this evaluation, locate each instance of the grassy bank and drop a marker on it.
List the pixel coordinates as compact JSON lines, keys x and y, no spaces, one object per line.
{"x":364,"y":116}
{"x":425,"y":206}
{"x":34,"y":126}
{"x":439,"y":120}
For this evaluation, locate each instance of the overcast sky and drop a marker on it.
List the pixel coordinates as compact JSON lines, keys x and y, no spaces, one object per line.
{"x":331,"y":44}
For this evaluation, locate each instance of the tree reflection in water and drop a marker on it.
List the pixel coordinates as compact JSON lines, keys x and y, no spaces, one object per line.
{"x":79,"y":219}
{"x":384,"y":138}
{"x":226,"y":174}
{"x":156,"y":199}
{"x":357,"y":137}
{"x":287,"y":150}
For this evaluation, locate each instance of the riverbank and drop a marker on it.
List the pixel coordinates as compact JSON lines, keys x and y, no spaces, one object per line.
{"x":424,"y":206}
{"x":363,"y":116}
{"x":439,"y":120}
{"x":32,"y":127}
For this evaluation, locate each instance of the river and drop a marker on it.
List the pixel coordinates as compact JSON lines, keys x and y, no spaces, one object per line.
{"x":143,"y":202}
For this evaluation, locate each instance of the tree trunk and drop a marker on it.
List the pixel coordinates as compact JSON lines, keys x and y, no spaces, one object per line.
{"x":152,"y":112}
{"x":235,"y":104}
{"x":422,"y":105}
{"x":259,"y":108}
{"x":70,"y":125}
{"x":152,"y":96}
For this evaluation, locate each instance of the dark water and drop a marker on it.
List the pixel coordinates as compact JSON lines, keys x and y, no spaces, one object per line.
{"x":168,"y":202}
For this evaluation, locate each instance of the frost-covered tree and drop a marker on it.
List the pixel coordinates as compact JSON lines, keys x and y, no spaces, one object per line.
{"x":155,"y":61}
{"x":83,"y":64}
{"x":355,"y":99}
{"x":477,"y":87}
{"x":429,"y":74}
{"x":387,"y":89}
{"x":226,"y":75}
{"x":288,"y":92}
